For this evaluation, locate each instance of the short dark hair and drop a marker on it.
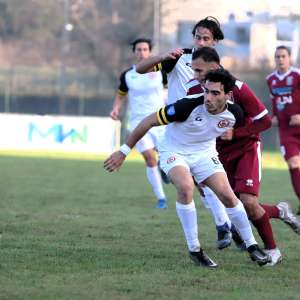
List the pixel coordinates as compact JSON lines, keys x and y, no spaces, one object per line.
{"x":222,"y":76}
{"x":213,"y":25}
{"x":208,"y":54}
{"x":141,"y":40}
{"x":282,"y":47}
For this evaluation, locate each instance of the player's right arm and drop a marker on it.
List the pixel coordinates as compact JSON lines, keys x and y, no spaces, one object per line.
{"x":177,"y":112}
{"x":273,"y":102}
{"x":153,"y":63}
{"x":119,"y":98}
{"x":118,"y":103}
{"x":116,"y":159}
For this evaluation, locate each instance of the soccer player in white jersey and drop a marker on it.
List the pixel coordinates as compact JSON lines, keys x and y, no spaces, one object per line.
{"x":145,"y":96}
{"x":188,"y":148}
{"x":177,"y":63}
{"x":239,"y":152}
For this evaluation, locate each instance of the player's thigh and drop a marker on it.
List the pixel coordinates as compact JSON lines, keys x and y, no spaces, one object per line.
{"x":205,"y":165}
{"x":219,"y":183}
{"x":230,"y":165}
{"x":183,"y":181}
{"x":178,"y":170}
{"x":169,"y":160}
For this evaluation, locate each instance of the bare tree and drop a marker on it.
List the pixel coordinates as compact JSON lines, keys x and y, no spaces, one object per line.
{"x":104,"y":30}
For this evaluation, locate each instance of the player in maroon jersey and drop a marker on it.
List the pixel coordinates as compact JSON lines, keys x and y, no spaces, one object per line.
{"x":284,"y":85}
{"x":240,"y":153}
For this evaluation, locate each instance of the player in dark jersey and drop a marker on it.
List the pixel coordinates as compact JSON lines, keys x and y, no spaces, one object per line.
{"x":239,"y":151}
{"x":188,"y":149}
{"x":284,"y":86}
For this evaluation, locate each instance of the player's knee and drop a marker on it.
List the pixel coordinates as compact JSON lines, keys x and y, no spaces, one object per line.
{"x":150,"y":159}
{"x":294,"y":162}
{"x":227,"y":197}
{"x":185,"y":191}
{"x":251,"y":207}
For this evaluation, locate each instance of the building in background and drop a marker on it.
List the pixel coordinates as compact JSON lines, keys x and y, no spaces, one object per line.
{"x":252,"y":29}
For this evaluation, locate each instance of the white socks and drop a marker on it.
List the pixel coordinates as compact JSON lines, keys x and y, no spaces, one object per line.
{"x":216,"y":207}
{"x":188,"y":217}
{"x":240,"y":220}
{"x":155,"y":181}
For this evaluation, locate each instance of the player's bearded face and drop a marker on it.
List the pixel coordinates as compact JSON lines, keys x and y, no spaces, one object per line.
{"x":214,"y":97}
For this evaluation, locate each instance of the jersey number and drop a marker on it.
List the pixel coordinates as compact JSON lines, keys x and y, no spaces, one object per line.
{"x":215,"y":160}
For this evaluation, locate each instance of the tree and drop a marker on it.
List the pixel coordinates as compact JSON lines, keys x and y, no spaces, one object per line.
{"x":104,"y":30}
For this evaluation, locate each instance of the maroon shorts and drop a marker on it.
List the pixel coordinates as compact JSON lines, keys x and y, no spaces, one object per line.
{"x":243,"y":168}
{"x":290,"y":147}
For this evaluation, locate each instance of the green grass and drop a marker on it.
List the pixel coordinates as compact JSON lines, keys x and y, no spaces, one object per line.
{"x":72,"y":231}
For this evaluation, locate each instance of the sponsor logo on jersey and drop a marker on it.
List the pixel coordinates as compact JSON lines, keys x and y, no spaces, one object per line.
{"x":223,"y":124}
{"x":188,"y":64}
{"x":249,"y":182}
{"x":282,"y":90}
{"x":289,"y":80}
{"x":199,"y":118}
{"x":171,"y":159}
{"x":282,"y":101}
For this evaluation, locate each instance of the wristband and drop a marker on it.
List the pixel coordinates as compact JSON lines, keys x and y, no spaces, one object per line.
{"x":125,"y":149}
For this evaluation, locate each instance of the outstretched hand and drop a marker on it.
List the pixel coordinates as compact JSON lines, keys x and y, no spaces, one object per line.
{"x":173,"y":54}
{"x":295,"y":120}
{"x":114,"y":162}
{"x":227,"y":135}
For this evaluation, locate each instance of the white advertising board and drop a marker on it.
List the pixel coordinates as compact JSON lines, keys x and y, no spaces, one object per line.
{"x":59,"y":133}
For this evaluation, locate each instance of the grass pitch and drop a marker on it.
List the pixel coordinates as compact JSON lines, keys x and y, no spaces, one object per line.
{"x":69,"y":230}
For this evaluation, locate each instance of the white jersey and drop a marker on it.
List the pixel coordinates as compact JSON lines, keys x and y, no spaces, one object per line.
{"x":145,"y":94}
{"x":191,"y":128}
{"x":179,"y":73}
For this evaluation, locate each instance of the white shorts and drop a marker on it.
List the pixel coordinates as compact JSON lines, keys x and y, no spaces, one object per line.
{"x":200,"y":165}
{"x":150,"y":139}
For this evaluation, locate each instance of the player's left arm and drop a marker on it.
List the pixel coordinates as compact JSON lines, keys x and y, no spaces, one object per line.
{"x":253,"y":108}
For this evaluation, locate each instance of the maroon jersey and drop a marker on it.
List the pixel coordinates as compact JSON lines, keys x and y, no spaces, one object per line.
{"x":256,"y":117}
{"x":285,"y":97}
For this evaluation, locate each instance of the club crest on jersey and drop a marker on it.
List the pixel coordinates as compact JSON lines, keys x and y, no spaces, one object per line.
{"x":171,"y":110}
{"x":289,"y":80}
{"x":223,"y":124}
{"x":171,"y":159}
{"x":273,"y":82}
